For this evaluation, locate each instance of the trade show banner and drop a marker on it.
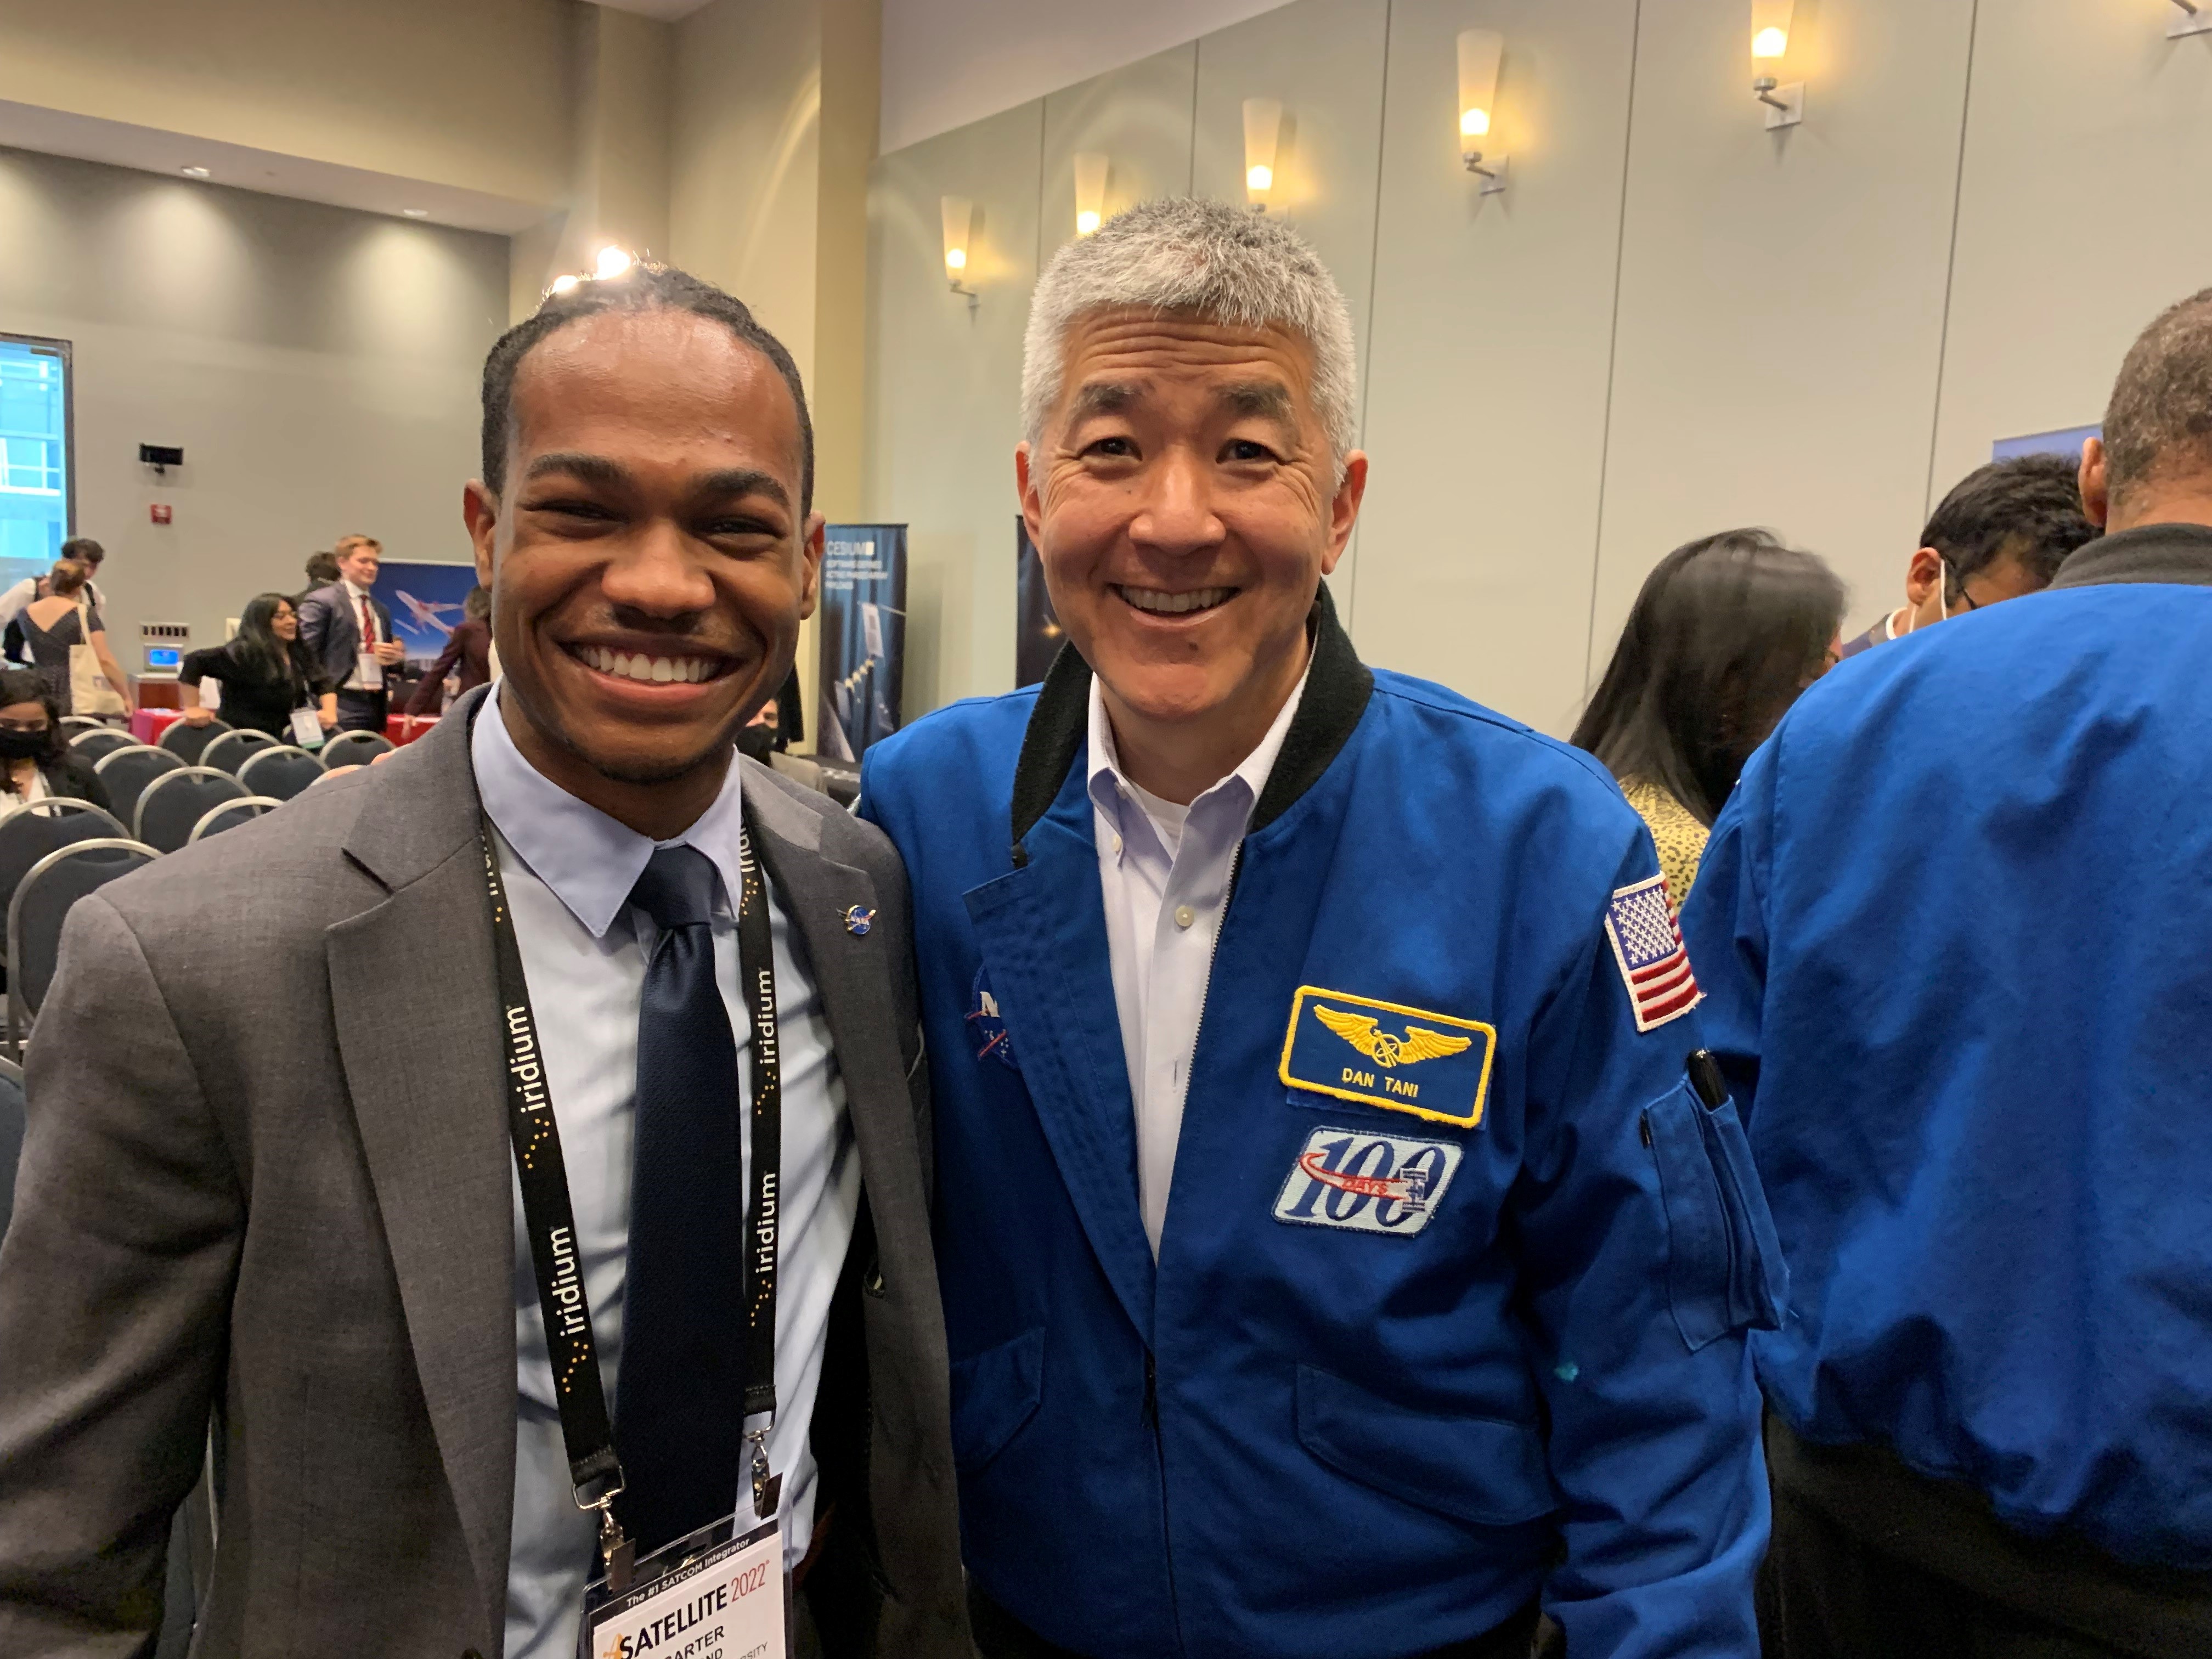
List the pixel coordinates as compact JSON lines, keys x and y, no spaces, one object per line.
{"x":425,"y":602}
{"x":863,"y":622}
{"x":1038,"y":632}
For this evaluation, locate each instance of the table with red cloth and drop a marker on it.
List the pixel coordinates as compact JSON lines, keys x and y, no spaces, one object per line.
{"x":148,"y":724}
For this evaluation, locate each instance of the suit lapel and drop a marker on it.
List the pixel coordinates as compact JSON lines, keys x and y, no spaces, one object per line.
{"x":853,"y":972}
{"x":1042,"y":930}
{"x":413,"y":990}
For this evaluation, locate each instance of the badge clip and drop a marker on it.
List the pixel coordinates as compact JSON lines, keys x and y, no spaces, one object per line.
{"x":768,"y":1488}
{"x":616,"y":1549}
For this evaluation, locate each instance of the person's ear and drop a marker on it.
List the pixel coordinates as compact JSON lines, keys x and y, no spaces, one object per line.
{"x":2096,"y":498}
{"x":1343,"y":508}
{"x":480,"y":513}
{"x":1922,"y":576}
{"x":809,"y":553}
{"x":1029,"y":491}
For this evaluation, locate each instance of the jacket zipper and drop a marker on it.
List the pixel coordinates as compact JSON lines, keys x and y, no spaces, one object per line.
{"x":1152,"y":1369}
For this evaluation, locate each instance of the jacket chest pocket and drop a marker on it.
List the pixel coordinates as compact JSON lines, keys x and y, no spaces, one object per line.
{"x":1724,"y":1267}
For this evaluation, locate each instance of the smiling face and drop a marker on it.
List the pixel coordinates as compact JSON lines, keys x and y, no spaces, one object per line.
{"x":359,"y":564}
{"x":1184,"y":502}
{"x":649,"y":561}
{"x":284,"y":624}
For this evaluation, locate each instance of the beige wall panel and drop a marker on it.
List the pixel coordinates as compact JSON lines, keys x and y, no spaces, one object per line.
{"x":744,"y":165}
{"x":1323,"y":60}
{"x":1781,"y":294}
{"x":2081,"y":215}
{"x":1486,"y":383}
{"x":474,"y":95}
{"x":1139,"y":118}
{"x":944,"y":393}
{"x":318,"y":367}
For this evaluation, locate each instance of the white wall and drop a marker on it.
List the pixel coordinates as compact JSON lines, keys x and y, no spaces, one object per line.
{"x":318,"y":367}
{"x":947,"y":63}
{"x":1674,"y":322}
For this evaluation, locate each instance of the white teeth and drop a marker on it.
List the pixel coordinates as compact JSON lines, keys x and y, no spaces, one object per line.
{"x":650,"y":670}
{"x":1173,"y":604}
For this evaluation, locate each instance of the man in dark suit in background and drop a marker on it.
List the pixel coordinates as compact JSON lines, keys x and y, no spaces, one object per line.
{"x":348,"y":629}
{"x":269,"y":1172}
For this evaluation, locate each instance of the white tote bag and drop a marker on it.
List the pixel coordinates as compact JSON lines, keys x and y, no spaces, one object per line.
{"x":89,"y":690}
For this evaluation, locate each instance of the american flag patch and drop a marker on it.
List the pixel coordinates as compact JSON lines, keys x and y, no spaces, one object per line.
{"x":1647,"y":943}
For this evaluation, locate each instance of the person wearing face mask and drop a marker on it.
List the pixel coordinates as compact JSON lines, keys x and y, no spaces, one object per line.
{"x":35,"y":759}
{"x":1336,"y":1259}
{"x":1726,"y":634}
{"x":2001,"y":533}
{"x":1952,"y":927}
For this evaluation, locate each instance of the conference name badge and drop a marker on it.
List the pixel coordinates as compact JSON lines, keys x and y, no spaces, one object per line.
{"x":1383,"y":1054}
{"x":726,"y":1604}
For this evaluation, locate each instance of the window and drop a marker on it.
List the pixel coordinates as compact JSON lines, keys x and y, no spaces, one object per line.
{"x":37,"y":490}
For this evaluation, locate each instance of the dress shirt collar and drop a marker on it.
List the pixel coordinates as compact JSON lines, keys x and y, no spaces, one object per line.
{"x":357,"y":593}
{"x":590,"y":861}
{"x":1107,"y":779}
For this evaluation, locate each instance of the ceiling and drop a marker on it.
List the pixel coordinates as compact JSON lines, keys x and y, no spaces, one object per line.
{"x":91,"y":138}
{"x":667,"y":10}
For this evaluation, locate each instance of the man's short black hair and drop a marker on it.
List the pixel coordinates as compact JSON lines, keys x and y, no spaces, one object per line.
{"x":642,"y":288}
{"x":84,"y":550}
{"x":2029,"y":507}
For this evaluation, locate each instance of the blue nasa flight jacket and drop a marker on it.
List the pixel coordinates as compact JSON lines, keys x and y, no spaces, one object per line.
{"x":1955,"y":931}
{"x":1427,"y":1333}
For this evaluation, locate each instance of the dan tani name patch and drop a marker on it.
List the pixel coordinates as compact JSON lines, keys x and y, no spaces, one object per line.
{"x":1383,"y":1054}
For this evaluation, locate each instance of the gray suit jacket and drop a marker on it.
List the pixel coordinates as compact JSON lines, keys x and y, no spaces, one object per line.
{"x":267,"y":1171}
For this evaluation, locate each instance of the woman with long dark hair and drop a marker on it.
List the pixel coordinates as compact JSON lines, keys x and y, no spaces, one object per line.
{"x":35,"y":759}
{"x":1728,"y":631}
{"x":265,"y":674}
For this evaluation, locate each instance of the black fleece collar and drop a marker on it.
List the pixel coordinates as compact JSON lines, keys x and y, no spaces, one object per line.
{"x":2180,"y":553}
{"x":1337,"y":687}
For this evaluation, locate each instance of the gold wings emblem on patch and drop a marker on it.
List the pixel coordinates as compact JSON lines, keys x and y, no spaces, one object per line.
{"x":1363,"y":1032}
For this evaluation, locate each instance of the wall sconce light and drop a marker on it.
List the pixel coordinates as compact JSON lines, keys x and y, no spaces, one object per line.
{"x":2188,"y":19}
{"x":1263,"y":128}
{"x":1089,"y":191}
{"x":1479,"y":52}
{"x":959,"y":215}
{"x":1770,"y":41}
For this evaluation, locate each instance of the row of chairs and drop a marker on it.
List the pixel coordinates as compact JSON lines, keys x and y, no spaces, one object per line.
{"x":161,"y":798}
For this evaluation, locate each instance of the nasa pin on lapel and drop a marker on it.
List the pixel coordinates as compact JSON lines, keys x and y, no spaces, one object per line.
{"x":859,"y":920}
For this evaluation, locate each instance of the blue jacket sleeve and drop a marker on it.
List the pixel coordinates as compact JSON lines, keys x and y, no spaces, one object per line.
{"x":1628,"y":1252}
{"x":1725,"y":924}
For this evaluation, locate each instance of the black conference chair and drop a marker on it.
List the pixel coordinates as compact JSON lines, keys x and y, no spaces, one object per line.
{"x":335,"y":772}
{"x":283,"y":772}
{"x":128,"y":771}
{"x":173,"y":804}
{"x":41,"y":904}
{"x":188,"y":743}
{"x":28,"y":833}
{"x":228,"y":753}
{"x":74,"y":724}
{"x":97,"y":743}
{"x":231,"y":814}
{"x":354,"y":749}
{"x":11,"y":1137}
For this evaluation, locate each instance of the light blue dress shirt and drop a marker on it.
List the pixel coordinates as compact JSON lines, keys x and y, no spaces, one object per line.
{"x":568,"y":869}
{"x":1163,"y":872}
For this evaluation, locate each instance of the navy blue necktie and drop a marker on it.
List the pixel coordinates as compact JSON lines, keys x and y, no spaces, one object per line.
{"x":679,"y":1401}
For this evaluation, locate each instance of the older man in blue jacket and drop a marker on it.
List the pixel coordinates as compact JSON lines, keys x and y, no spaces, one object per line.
{"x":1336,"y":1259}
{"x":1954,"y":927}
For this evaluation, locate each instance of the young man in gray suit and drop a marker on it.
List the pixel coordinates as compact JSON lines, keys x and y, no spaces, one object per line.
{"x":277,"y":1091}
{"x":348,"y":629}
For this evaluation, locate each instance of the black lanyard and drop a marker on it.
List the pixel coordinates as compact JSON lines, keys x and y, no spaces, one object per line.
{"x":595,"y":1473}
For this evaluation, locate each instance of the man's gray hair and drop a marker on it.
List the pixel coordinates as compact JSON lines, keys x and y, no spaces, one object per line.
{"x":1200,"y":258}
{"x":2159,"y":421}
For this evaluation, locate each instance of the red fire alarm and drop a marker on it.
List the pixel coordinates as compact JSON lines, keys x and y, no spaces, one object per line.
{"x":160,"y":514}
